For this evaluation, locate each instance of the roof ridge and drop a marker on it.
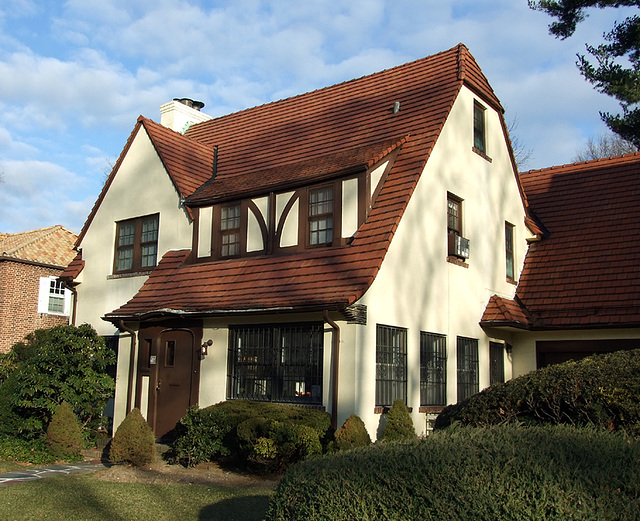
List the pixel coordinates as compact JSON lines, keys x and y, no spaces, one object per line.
{"x":604,"y":161}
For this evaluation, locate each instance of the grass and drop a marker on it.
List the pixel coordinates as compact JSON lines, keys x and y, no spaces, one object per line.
{"x":82,"y":497}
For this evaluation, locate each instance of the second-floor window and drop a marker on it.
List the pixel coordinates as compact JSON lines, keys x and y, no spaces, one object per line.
{"x":53,"y":298}
{"x":230,"y":230}
{"x":136,"y":244}
{"x":321,"y":216}
{"x":508,"y":247}
{"x":454,"y":215}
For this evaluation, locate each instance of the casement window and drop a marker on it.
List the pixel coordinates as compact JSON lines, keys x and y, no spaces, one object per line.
{"x":508,"y":247}
{"x":433,"y":369}
{"x":136,"y":244}
{"x":479,"y":134}
{"x":53,"y":297}
{"x":391,"y":365}
{"x":457,"y":245}
{"x":230,"y":219}
{"x":467,"y":351}
{"x":276,"y":363}
{"x":321,"y":207}
{"x":496,"y":362}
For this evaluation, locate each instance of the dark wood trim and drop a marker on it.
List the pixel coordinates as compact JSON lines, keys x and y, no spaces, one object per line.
{"x":296,"y":196}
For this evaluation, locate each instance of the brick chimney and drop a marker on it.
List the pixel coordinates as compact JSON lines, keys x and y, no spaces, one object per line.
{"x":181,"y":113}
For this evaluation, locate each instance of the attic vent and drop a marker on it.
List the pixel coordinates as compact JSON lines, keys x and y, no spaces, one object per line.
{"x":396,"y":107}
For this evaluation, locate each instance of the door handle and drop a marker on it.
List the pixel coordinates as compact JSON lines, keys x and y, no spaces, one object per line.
{"x":158,"y":386}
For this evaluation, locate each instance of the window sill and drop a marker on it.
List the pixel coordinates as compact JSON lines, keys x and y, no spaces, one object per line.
{"x":431,"y":409}
{"x":129,"y":275}
{"x":457,"y":261}
{"x":482,"y":154}
{"x":384,"y":409}
{"x":512,"y":281}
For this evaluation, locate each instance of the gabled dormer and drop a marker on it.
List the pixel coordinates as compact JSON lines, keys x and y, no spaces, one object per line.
{"x":316,"y":203}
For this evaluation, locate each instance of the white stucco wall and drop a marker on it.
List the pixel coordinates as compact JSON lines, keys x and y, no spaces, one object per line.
{"x":416,"y":287}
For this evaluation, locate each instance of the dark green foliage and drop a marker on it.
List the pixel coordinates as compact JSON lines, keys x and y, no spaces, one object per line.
{"x":64,"y":436}
{"x":133,"y":442}
{"x":25,"y":451}
{"x":602,"y":390}
{"x":61,"y":364}
{"x":617,"y":72}
{"x":352,"y":434}
{"x":399,"y":426}
{"x":265,"y":436}
{"x":506,"y":473}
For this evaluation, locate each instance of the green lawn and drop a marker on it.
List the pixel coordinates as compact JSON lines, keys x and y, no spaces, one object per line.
{"x":82,"y":497}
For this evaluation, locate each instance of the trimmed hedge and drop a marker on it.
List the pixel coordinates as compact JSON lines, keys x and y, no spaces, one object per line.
{"x":64,"y":434}
{"x":399,"y":426}
{"x":601,"y":390}
{"x":505,"y":472}
{"x":134,"y":442}
{"x":265,"y":436}
{"x":25,"y":451}
{"x":352,"y":434}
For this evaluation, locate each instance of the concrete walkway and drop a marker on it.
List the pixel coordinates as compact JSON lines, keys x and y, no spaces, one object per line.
{"x":20,"y":476}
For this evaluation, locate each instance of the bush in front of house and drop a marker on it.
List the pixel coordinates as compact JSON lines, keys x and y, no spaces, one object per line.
{"x":64,"y":436}
{"x":601,"y":390}
{"x":134,"y":442}
{"x":25,"y":451}
{"x":352,"y":434}
{"x":263,"y":435}
{"x":504,"y":472}
{"x":399,"y":426}
{"x":60,"y":364}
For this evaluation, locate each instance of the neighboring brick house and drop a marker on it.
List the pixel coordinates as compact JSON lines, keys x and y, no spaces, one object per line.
{"x":31,"y":296}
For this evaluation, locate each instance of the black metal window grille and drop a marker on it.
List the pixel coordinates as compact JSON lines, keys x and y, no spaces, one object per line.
{"x":496,"y":361}
{"x":467,"y":367}
{"x":276,"y":363}
{"x":433,"y":369}
{"x":391,"y":365}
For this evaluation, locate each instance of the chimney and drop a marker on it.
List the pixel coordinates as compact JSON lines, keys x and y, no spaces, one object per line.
{"x":181,"y":113}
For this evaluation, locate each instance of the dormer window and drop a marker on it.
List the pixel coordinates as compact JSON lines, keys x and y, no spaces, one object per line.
{"x":321,"y":216}
{"x":230,"y":230}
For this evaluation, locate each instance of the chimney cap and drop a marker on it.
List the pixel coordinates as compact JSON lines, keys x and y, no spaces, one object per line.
{"x":197,"y":105}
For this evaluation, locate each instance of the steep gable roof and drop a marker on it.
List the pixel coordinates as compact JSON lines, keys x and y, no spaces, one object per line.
{"x":584,"y":272}
{"x":301,"y":139}
{"x":52,"y":246}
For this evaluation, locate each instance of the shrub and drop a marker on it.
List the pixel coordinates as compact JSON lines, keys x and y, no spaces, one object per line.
{"x":133,"y":442}
{"x":505,"y":472}
{"x":64,"y":363}
{"x":25,"y":451}
{"x":352,"y":434}
{"x":399,"y":426}
{"x":64,"y":436}
{"x":264,"y":435}
{"x":602,"y":390}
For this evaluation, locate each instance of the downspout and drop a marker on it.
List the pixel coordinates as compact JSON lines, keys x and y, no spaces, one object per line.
{"x":74,"y":292}
{"x":132,"y":359}
{"x":335,"y":359}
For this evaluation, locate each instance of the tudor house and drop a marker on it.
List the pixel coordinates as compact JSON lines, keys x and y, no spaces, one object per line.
{"x":337,"y":249}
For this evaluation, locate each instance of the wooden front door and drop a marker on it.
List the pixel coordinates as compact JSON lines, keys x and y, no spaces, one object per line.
{"x":168,"y":375}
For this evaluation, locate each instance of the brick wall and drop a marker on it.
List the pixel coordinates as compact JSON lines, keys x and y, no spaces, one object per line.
{"x":19,"y":287}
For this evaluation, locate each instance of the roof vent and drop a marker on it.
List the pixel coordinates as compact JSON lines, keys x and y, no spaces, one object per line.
{"x":396,"y":107}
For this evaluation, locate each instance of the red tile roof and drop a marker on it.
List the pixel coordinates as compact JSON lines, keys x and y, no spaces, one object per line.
{"x":52,"y":246}
{"x":505,"y":312}
{"x":585,"y":272}
{"x":299,"y":140}
{"x":73,"y":269}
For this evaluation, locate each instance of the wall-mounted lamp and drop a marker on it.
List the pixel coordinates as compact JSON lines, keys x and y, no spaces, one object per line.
{"x":205,"y":347}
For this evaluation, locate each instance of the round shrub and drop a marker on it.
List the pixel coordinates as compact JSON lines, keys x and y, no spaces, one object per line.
{"x":352,"y":434}
{"x":133,"y":442}
{"x":505,"y":472}
{"x":64,"y":436}
{"x":399,"y":426}
{"x":601,"y":390}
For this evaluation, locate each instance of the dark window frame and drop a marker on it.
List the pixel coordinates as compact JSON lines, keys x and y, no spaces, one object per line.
{"x":454,"y":213}
{"x":281,"y":363}
{"x":509,"y":251}
{"x":467,"y":367}
{"x":391,"y":365}
{"x":433,"y":369}
{"x":479,"y":128}
{"x":320,"y":216}
{"x":137,"y":244}
{"x":496,"y":362}
{"x":233,"y":247}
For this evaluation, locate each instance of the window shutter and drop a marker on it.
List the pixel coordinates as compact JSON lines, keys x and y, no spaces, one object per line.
{"x":67,"y":302}
{"x":43,"y":295}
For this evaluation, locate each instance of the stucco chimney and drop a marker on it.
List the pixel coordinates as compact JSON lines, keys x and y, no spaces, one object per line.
{"x":180,"y":113}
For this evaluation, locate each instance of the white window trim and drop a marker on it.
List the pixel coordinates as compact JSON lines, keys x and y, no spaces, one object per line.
{"x":44,"y":295}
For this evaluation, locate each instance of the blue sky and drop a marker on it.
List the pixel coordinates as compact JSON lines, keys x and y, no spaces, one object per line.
{"x":76,"y":74}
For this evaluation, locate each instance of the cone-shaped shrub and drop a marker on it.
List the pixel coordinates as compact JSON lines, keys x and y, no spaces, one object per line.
{"x":133,"y":442}
{"x":399,"y":424}
{"x":64,"y":436}
{"x":352,"y":434}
